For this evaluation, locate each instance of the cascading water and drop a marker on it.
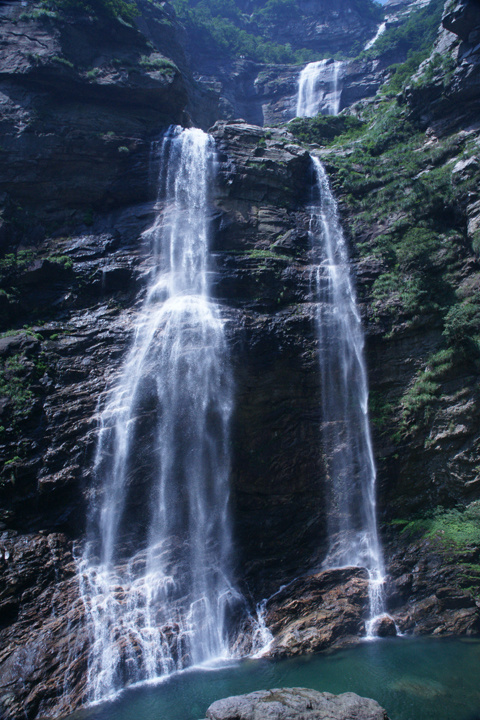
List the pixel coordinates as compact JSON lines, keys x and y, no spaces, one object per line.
{"x":345,"y":426}
{"x":319,"y":88}
{"x":155,"y":570}
{"x":381,"y":29}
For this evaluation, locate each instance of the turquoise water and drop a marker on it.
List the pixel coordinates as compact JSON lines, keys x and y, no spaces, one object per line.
{"x":413,"y":679}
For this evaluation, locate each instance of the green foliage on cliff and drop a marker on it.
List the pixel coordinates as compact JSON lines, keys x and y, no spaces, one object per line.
{"x":404,"y":199}
{"x":414,"y":35}
{"x":15,"y":385}
{"x":221,"y":28}
{"x":322,"y":129}
{"x":228,"y":27}
{"x":418,"y":402}
{"x":13,"y":263}
{"x":124,"y":9}
{"x":413,"y":39}
{"x":452,"y":530}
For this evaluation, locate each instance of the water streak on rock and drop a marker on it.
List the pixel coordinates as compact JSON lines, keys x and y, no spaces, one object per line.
{"x":347,"y":442}
{"x":320,"y":88}
{"x":155,"y":575}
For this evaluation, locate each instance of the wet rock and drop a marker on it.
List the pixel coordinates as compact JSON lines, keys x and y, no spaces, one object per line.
{"x":291,"y":703}
{"x":453,"y":598}
{"x":319,"y":611}
{"x":384,"y":626}
{"x":425,"y":593}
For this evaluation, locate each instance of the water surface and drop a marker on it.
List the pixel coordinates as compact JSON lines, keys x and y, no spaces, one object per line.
{"x":413,"y":679}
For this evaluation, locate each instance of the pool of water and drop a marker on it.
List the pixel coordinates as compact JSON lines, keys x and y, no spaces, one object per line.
{"x":412,"y":678}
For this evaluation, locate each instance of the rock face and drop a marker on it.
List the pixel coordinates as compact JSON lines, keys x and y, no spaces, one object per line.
{"x":445,"y":95}
{"x":262,"y":251}
{"x":425,"y":435}
{"x":291,"y":703}
{"x":80,"y":107}
{"x":319,"y":611}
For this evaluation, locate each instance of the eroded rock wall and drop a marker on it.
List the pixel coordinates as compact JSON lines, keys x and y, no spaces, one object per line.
{"x":78,"y":189}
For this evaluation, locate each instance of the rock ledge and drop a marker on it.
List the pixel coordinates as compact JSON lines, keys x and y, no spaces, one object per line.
{"x":295,"y":703}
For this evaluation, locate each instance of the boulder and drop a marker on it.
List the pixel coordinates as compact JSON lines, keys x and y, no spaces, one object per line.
{"x":324,"y":610}
{"x":384,"y":626}
{"x":292,"y":703}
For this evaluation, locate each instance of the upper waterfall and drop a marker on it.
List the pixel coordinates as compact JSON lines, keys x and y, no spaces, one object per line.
{"x":346,"y":435}
{"x":320,"y":88}
{"x":155,"y":575}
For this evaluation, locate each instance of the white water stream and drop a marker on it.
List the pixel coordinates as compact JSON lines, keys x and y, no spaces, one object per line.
{"x":381,"y":29}
{"x":161,"y":603}
{"x":345,"y":426}
{"x":320,"y":88}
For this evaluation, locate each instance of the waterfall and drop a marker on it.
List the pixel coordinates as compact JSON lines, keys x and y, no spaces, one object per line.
{"x":345,"y":426}
{"x":320,"y":88}
{"x":381,"y":29}
{"x":154,"y":574}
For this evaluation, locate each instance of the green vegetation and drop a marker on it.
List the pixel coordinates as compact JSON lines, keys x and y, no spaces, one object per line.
{"x":124,"y":9}
{"x":13,"y":263}
{"x":157,"y":63}
{"x":401,"y":189}
{"x":453,"y":533}
{"x":38,"y":13}
{"x":418,"y":402}
{"x":63,"y":261}
{"x":415,"y":35}
{"x":413,"y":39}
{"x":229,"y":27}
{"x":450,"y":530}
{"x":322,"y":129}
{"x":63,"y":61}
{"x":15,"y":385}
{"x":257,"y":254}
{"x":380,"y":410}
{"x":438,"y":65}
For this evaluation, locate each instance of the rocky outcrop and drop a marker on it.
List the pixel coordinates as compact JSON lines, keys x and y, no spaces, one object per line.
{"x":43,"y":639}
{"x":77,"y":91}
{"x":319,"y":611}
{"x":445,"y":93}
{"x":463,"y":19}
{"x":291,"y":703}
{"x":430,"y":592}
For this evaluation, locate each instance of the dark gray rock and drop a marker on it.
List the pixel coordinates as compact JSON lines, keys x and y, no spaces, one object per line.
{"x":295,"y":703}
{"x":384,"y":626}
{"x":462,"y":19}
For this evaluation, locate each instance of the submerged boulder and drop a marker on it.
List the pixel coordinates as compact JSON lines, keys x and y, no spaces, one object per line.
{"x":291,"y":703}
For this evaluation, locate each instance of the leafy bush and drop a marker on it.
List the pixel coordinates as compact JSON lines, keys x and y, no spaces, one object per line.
{"x":13,"y":263}
{"x":155,"y":63}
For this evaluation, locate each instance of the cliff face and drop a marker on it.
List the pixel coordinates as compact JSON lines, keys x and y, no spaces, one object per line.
{"x":80,"y":106}
{"x":409,"y":196}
